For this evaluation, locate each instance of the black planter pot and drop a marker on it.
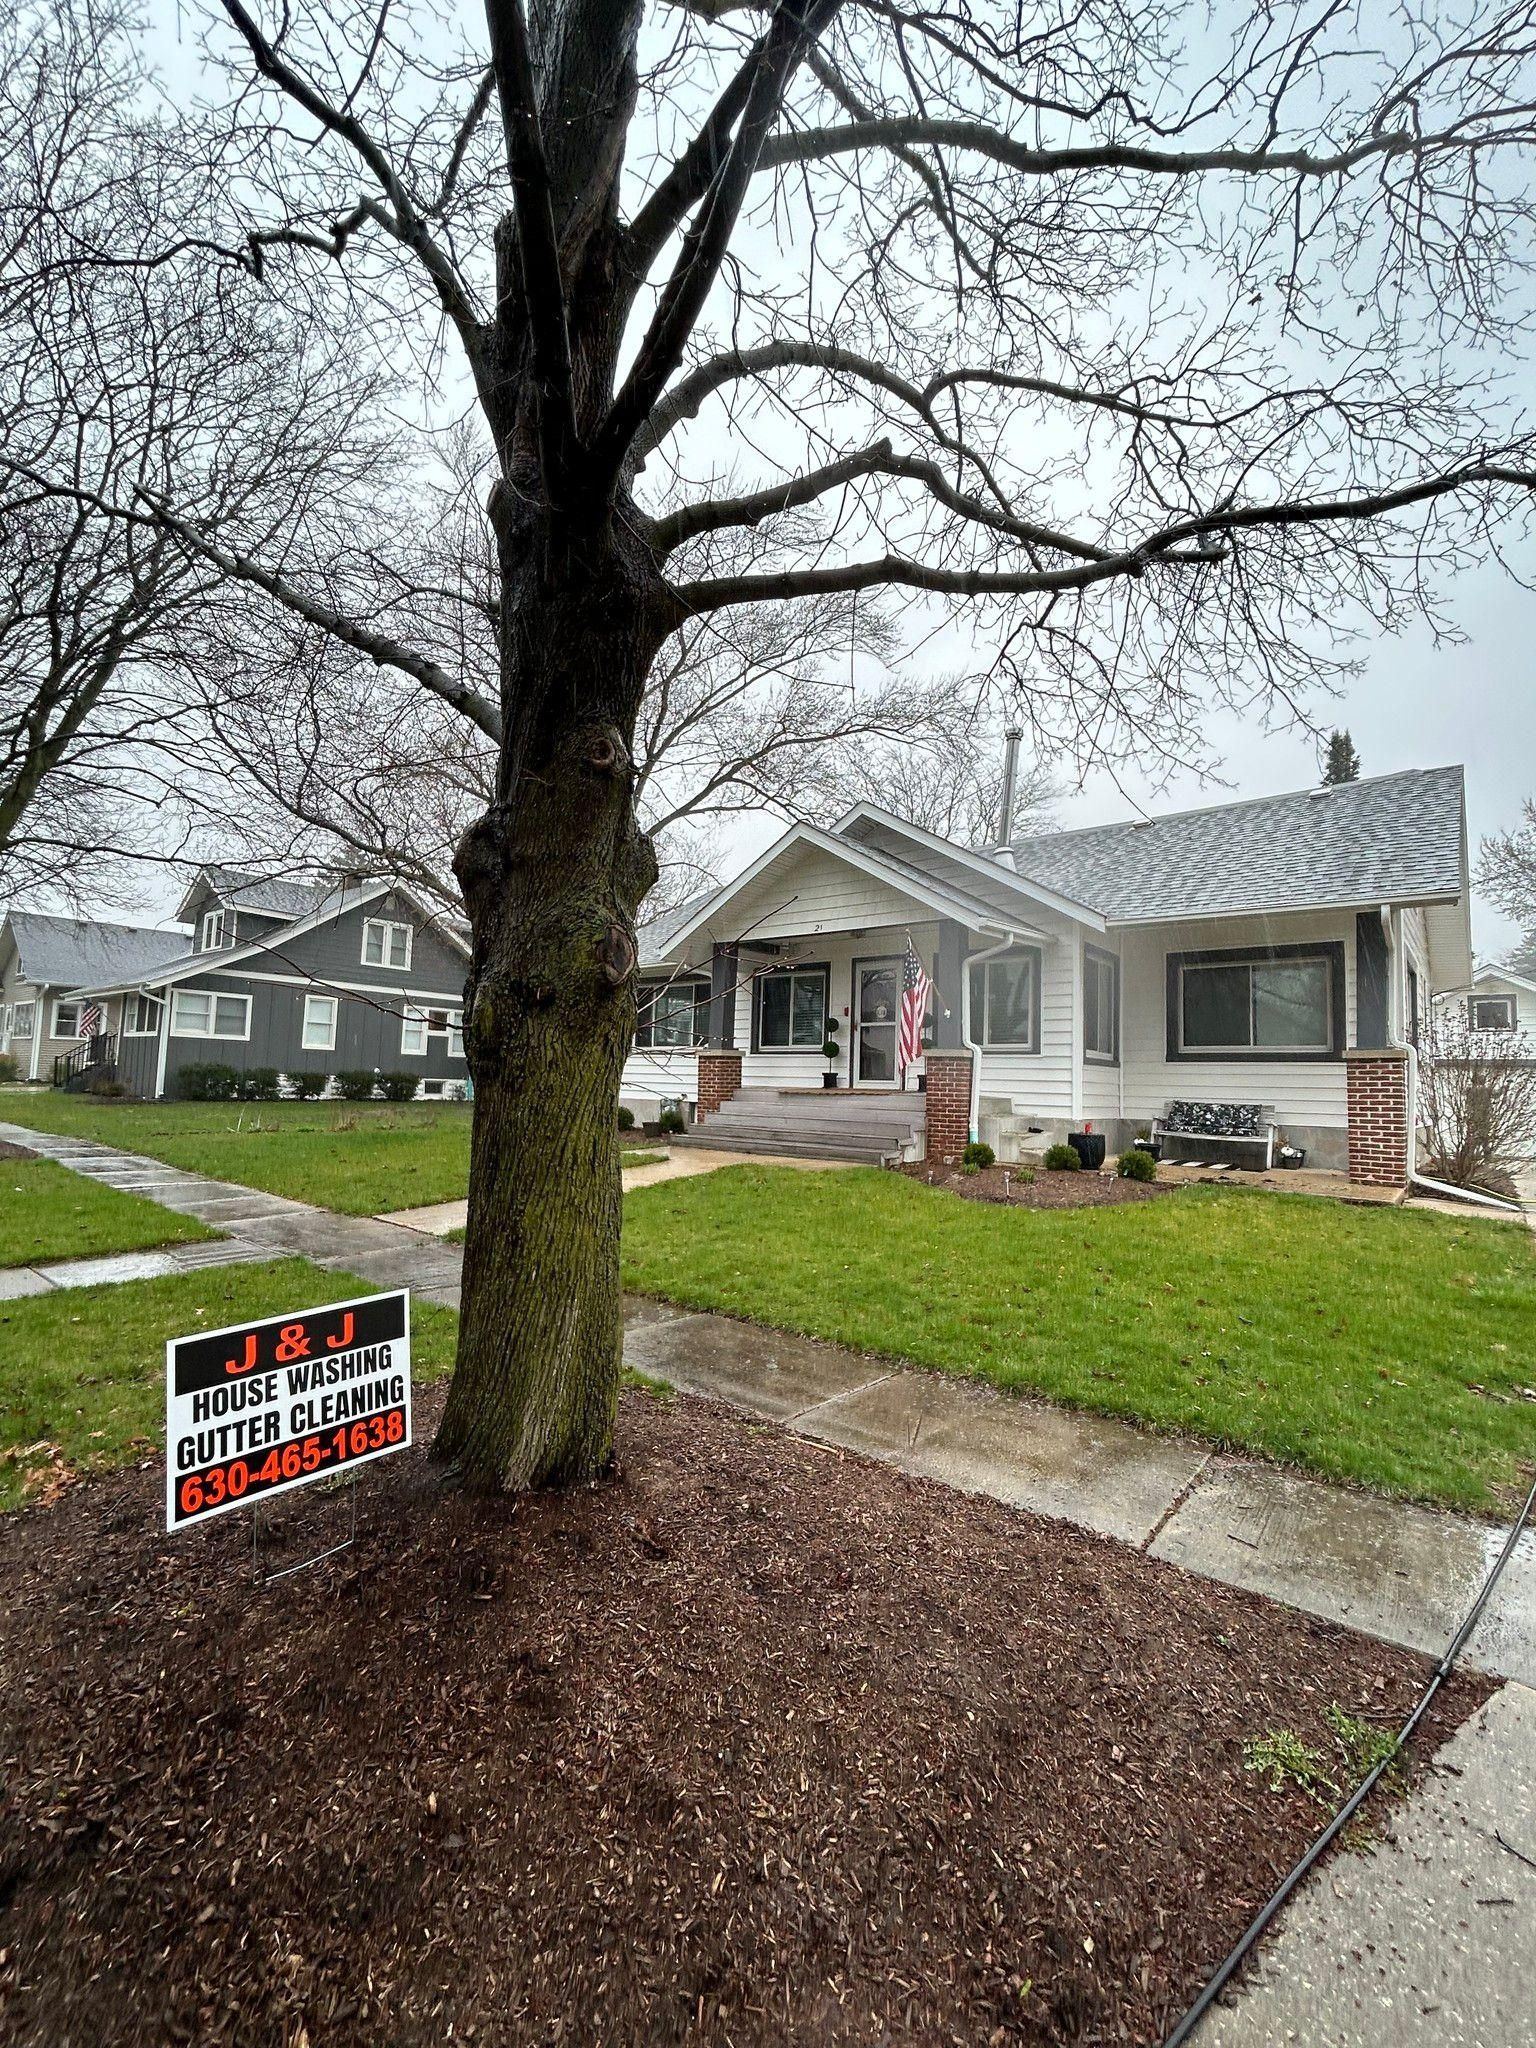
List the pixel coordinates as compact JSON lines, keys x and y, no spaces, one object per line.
{"x":829,"y":1080}
{"x":1089,"y":1147}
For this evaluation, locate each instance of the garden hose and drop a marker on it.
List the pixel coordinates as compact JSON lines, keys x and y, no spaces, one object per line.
{"x":1217,"y":1983}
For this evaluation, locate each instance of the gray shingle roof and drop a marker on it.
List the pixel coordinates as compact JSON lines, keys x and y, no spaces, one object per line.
{"x":1391,"y":839}
{"x":72,"y":952}
{"x":266,"y":895}
{"x":654,"y":937}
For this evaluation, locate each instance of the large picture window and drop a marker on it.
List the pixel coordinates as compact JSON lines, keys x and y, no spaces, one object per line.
{"x":1278,"y":1002}
{"x":673,"y":1013}
{"x":1005,"y":1002}
{"x":1101,"y":1005}
{"x":792,"y":1009}
{"x":199,"y":1013}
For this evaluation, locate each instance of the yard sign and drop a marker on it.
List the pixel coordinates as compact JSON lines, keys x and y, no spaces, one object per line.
{"x":262,"y":1407}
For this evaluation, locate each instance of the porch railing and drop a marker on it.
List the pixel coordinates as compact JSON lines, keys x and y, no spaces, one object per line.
{"x":77,"y":1069}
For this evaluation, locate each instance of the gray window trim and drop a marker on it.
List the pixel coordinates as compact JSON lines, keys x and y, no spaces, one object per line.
{"x":980,"y":973}
{"x":1262,"y":1055}
{"x":1100,"y":957}
{"x":803,"y":1052}
{"x":1509,"y":1006}
{"x":647,"y":993}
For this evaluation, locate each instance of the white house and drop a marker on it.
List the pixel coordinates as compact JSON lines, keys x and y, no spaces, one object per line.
{"x":1272,"y":954}
{"x":1499,"y":999}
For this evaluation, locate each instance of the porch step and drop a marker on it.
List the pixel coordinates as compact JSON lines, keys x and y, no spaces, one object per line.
{"x":825,"y":1124}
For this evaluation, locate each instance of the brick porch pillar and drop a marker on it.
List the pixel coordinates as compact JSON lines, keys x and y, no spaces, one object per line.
{"x":719,"y":1079}
{"x":949,"y":1104}
{"x":1377,"y":1078}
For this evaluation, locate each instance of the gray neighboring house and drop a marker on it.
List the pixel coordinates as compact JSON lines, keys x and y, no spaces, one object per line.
{"x":302,"y":977}
{"x":45,"y":962}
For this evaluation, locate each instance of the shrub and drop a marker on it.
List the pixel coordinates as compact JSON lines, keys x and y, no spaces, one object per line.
{"x":978,"y":1153}
{"x":1477,"y":1104}
{"x":259,"y":1084}
{"x":307,"y":1086}
{"x":1136,"y":1164}
{"x":969,"y":1167}
{"x":10,"y":1067}
{"x":671,"y":1122}
{"x":399,"y":1087}
{"x":626,"y":1118}
{"x":208,"y":1081}
{"x":357,"y":1084}
{"x":1062,"y":1159}
{"x":102,"y":1085}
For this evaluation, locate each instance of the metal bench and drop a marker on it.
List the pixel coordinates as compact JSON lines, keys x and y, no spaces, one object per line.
{"x":1200,"y":1125}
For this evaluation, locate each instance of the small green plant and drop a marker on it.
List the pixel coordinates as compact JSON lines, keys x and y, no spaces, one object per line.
{"x":1062,"y":1159}
{"x":10,"y":1067}
{"x":968,"y":1167}
{"x":357,"y":1084}
{"x":1023,"y":1177}
{"x":307,"y":1086}
{"x":208,"y":1081}
{"x":1135,"y":1164}
{"x":1364,"y":1747}
{"x":626,"y":1118}
{"x":671,"y":1122}
{"x":399,"y":1087}
{"x":259,"y":1084}
{"x":978,"y":1153}
{"x":1283,"y":1760}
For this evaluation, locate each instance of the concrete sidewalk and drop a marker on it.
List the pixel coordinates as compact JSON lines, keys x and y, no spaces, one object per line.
{"x":1424,"y":1941}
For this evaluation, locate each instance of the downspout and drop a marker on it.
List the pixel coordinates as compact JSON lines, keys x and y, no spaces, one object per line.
{"x":1415,"y":1178}
{"x":39,"y":1025}
{"x":976,"y":960}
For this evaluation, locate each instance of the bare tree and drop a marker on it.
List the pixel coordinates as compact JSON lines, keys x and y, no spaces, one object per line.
{"x":1161,"y":340}
{"x":1506,"y":873}
{"x":1477,"y":1103}
{"x":125,"y":383}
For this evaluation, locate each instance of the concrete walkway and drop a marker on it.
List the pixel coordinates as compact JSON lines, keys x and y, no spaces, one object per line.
{"x":111,"y":1270}
{"x":438,"y":1217}
{"x":1424,"y":1941}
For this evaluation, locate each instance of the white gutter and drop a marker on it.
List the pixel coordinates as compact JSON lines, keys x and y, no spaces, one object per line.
{"x":1415,"y":1178}
{"x":1008,"y":940}
{"x":39,"y":1024}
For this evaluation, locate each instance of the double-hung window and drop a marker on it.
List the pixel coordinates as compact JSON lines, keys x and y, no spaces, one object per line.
{"x":792,"y":1009}
{"x":21,"y":1023}
{"x":385,"y":943}
{"x":200,"y":1013}
{"x":673,"y":1013}
{"x":141,"y":1016}
{"x":413,"y":1030}
{"x":1005,"y":1001}
{"x":214,"y":925}
{"x":66,"y":1019}
{"x":418,"y":1026}
{"x":1493,"y":1013}
{"x":1101,"y":1005}
{"x":319,"y":1033}
{"x":1285,"y":1002}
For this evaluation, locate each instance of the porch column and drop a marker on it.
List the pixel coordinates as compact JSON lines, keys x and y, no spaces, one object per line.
{"x":719,"y":1080}
{"x":948,"y":992}
{"x":948,"y":1105}
{"x":1377,"y":1088}
{"x":1372,"y":1001}
{"x":723,"y":977}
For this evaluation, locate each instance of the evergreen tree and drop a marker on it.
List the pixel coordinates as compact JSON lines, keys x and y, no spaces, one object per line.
{"x":1343,"y":763}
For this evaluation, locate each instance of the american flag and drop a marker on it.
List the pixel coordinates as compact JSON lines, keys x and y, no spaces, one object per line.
{"x":90,"y":1020}
{"x":915,"y":990}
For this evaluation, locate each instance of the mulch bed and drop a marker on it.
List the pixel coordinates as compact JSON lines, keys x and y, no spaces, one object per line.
{"x":1047,"y":1190}
{"x":757,"y":1744}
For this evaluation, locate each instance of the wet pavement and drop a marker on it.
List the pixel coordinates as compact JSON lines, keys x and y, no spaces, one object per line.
{"x":1424,"y":1941}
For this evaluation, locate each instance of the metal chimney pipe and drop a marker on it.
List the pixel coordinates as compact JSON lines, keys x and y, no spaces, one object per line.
{"x":1010,"y":784}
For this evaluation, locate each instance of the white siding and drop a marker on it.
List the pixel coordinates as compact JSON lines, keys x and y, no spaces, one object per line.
{"x":1039,"y":1085}
{"x":1495,"y":984}
{"x":1307,"y":1092}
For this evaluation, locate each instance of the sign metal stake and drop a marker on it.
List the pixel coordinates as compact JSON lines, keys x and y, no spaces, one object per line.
{"x":318,"y":1557}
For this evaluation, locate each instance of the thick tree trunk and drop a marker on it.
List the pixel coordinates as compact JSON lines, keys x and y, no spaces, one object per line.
{"x":552,"y":876}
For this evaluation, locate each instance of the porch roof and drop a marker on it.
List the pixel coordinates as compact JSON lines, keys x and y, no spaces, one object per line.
{"x":942,"y":898}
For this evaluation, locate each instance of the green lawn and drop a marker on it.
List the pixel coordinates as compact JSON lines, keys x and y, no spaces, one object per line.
{"x":47,"y":1212}
{"x":1346,"y":1340}
{"x":82,"y":1371}
{"x":359,"y":1157}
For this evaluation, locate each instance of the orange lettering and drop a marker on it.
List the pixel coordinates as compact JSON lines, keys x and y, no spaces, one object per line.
{"x":340,"y":1343}
{"x":243,"y":1364}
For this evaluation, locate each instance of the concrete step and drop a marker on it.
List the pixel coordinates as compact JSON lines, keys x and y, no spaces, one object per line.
{"x":786,"y":1143}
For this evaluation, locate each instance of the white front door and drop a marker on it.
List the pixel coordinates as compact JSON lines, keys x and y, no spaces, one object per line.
{"x":876,"y":1016}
